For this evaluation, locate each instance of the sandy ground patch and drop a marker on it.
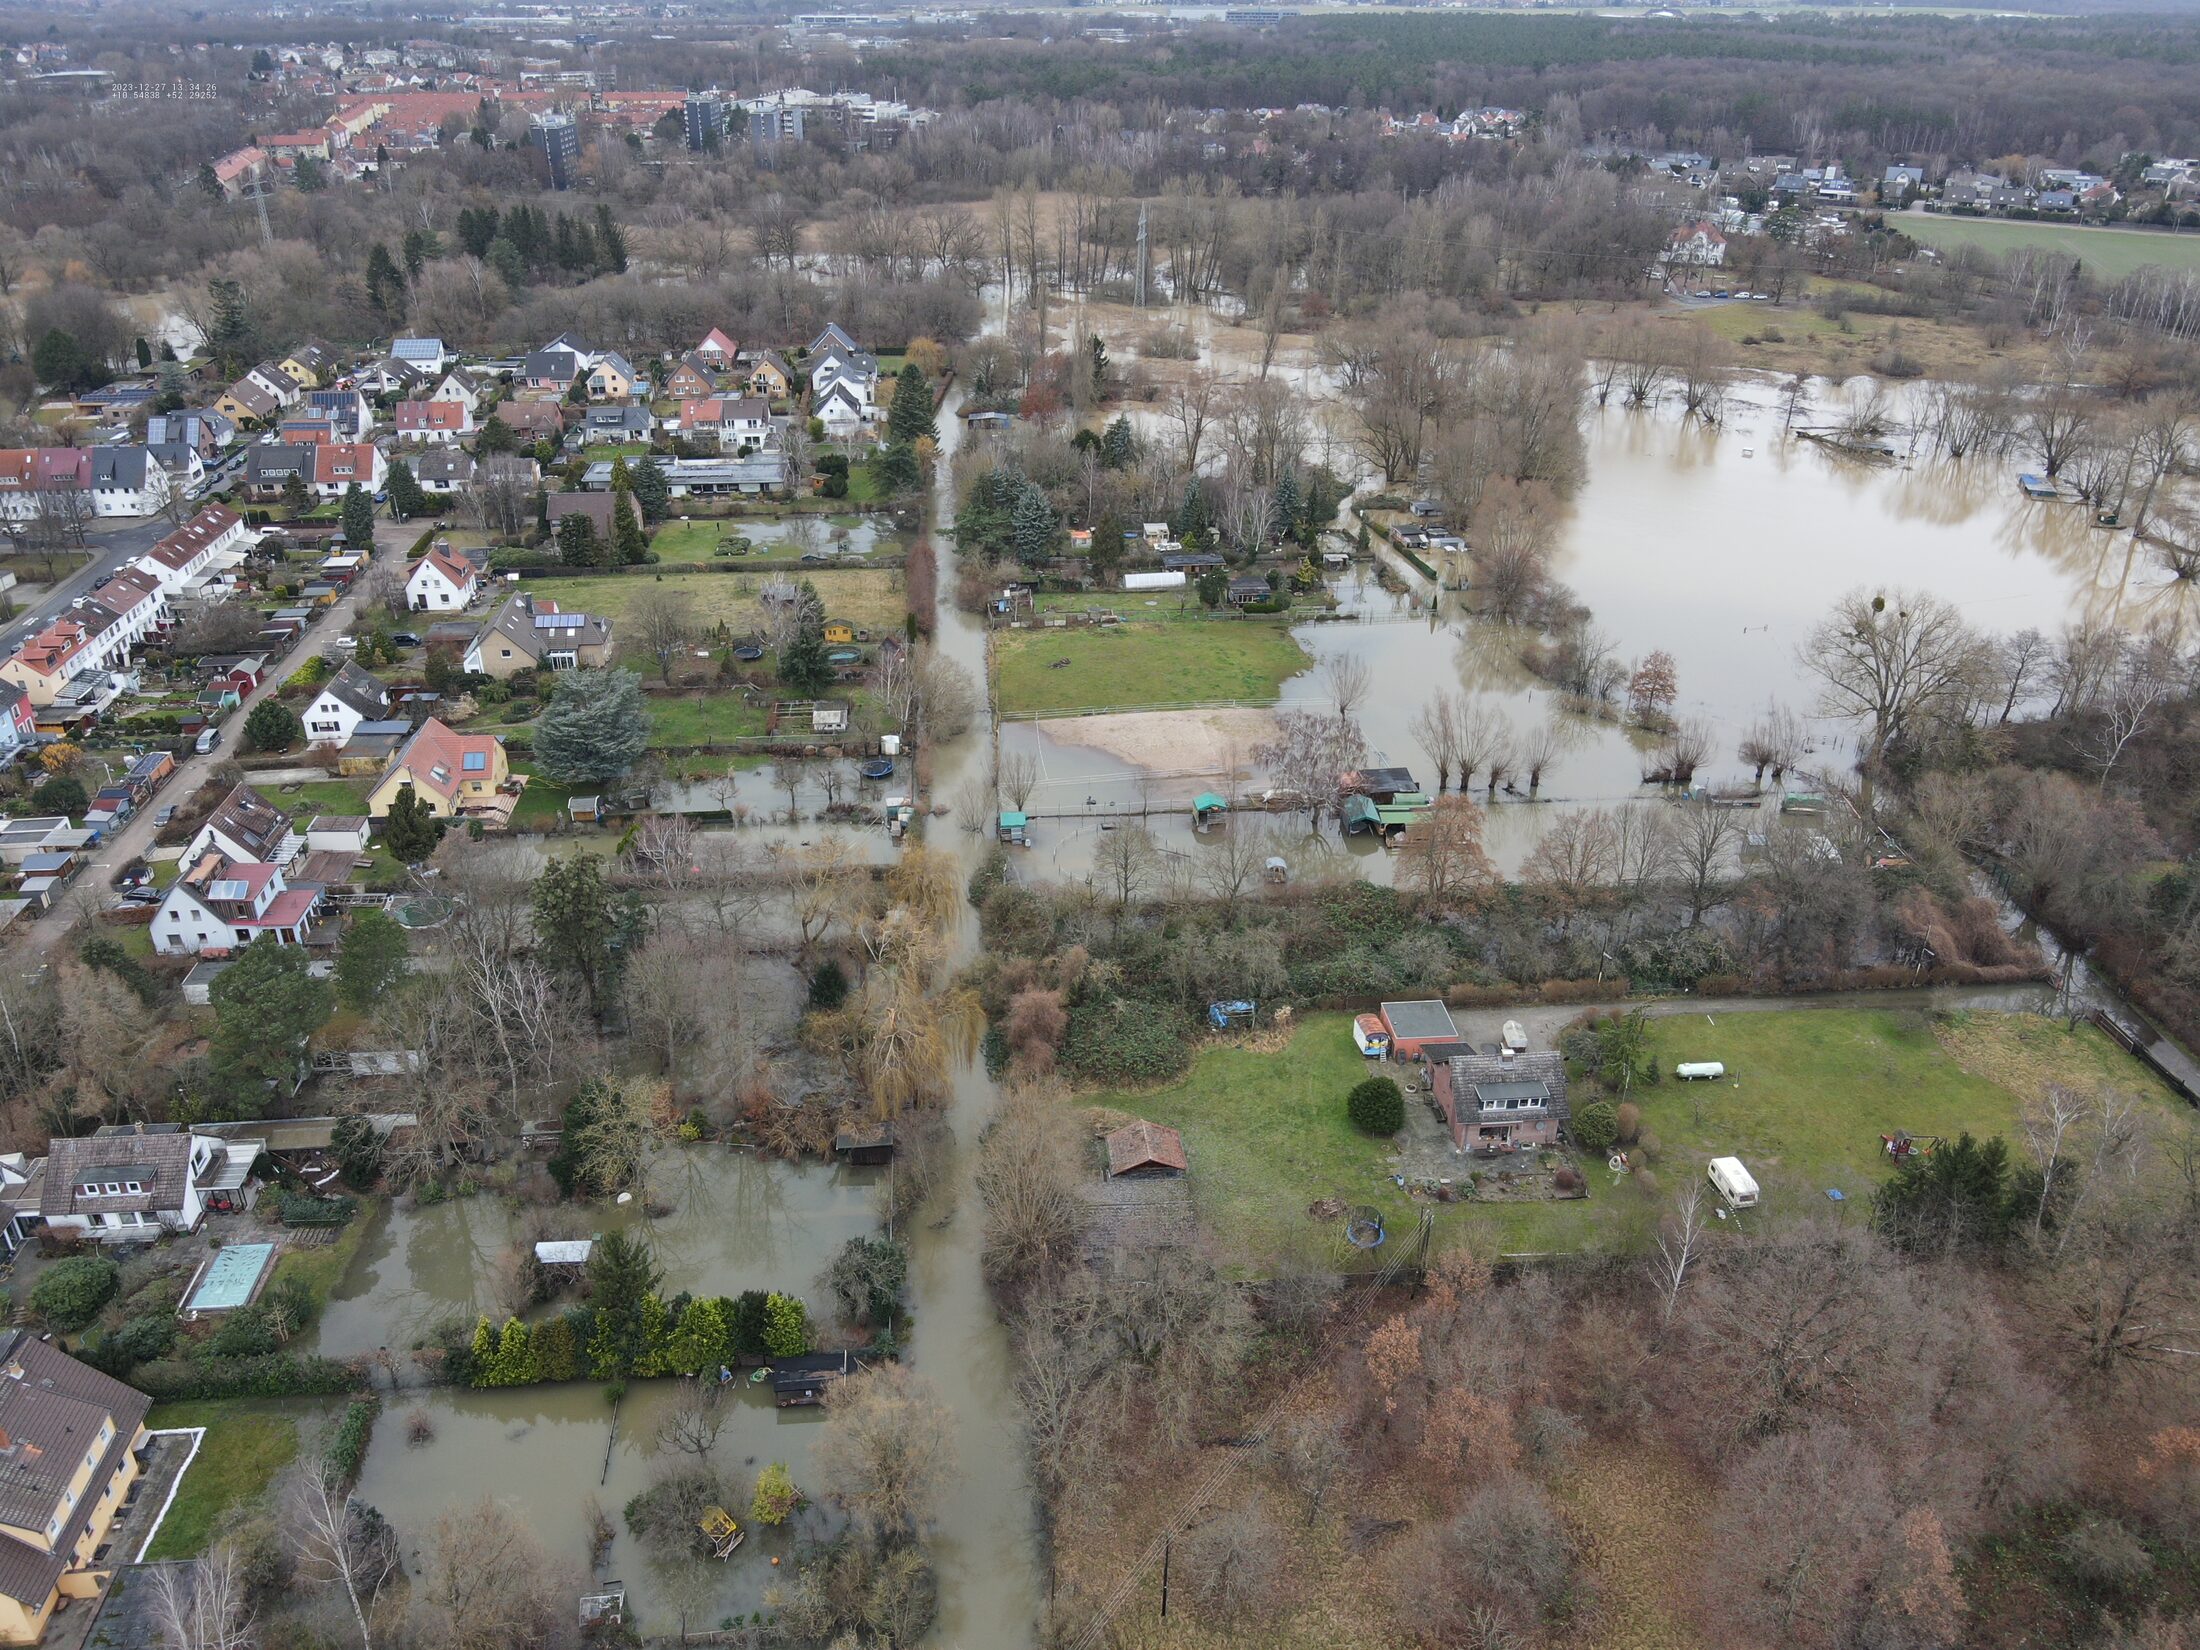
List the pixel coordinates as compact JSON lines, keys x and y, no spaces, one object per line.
{"x":1166,"y":742}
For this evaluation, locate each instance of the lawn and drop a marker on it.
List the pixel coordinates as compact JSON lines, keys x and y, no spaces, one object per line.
{"x":692,"y":540}
{"x":323,"y":796}
{"x":541,"y":804}
{"x":1808,"y":1095}
{"x":246,"y":1445}
{"x":869,"y":597}
{"x":2108,"y":253}
{"x":703,"y":719}
{"x":1134,"y":666}
{"x":321,"y":1268}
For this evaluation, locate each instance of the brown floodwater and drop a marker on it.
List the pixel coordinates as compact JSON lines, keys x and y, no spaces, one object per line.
{"x":1721,"y":546}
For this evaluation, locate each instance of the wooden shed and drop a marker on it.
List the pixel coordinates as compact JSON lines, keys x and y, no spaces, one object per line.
{"x":1146,"y":1151}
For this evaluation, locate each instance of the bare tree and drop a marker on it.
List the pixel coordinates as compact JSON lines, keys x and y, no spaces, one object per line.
{"x":1125,"y":864}
{"x":691,"y":1425}
{"x":2143,"y":680}
{"x":488,"y":1584}
{"x":1438,"y":725}
{"x":1680,"y":1242}
{"x":662,"y":625}
{"x":1901,"y":665}
{"x":340,"y":1542}
{"x":887,"y":1450}
{"x":203,"y":1604}
{"x":1346,"y":680}
{"x":1704,"y":846}
{"x":1019,"y":777}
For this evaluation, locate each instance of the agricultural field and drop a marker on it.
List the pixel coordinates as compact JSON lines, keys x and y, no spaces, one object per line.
{"x":870,"y":598}
{"x":2108,"y":253}
{"x":1134,"y":666}
{"x":1808,"y":1096}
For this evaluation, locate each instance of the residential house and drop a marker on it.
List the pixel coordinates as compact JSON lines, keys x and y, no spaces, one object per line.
{"x":1505,"y":1102}
{"x":444,"y":470}
{"x":747,"y":472}
{"x":449,"y":771}
{"x":350,"y":415}
{"x":244,"y":825}
{"x":717,"y":351}
{"x":691,"y":380}
{"x":771,"y":377}
{"x":204,"y":430}
{"x":221,"y":904}
{"x":181,"y":464}
{"x":1247,"y":589}
{"x":613,"y":378}
{"x":341,"y":465}
{"x":270,"y":468}
{"x":310,"y":365}
{"x":424,"y":355}
{"x":441,"y":423}
{"x":391,"y":374}
{"x":134,"y":1181}
{"x":1698,"y":243}
{"x":834,"y":337}
{"x":732,"y":423}
{"x":247,"y":402}
{"x":75,"y":1445}
{"x":615,"y":424}
{"x":346,"y":699}
{"x":531,"y":633}
{"x":440,"y":583}
{"x":306,"y":430}
{"x":280,"y":386}
{"x":843,"y":407}
{"x":458,"y":385}
{"x":126,"y":481}
{"x":595,"y":506}
{"x":551,"y":369}
{"x":48,"y":660}
{"x":18,"y":718}
{"x":532,"y":420}
{"x":1899,"y":183}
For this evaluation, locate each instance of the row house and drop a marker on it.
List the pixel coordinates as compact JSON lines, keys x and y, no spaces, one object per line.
{"x":83,"y":481}
{"x":215,"y":533}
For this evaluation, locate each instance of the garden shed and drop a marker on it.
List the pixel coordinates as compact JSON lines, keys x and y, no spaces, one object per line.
{"x":1415,"y":1024}
{"x":1144,"y":1151}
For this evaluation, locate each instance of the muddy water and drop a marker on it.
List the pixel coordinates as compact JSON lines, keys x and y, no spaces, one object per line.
{"x":986,"y":1541}
{"x":1723,"y":547}
{"x":548,"y":1450}
{"x":738,"y":1221}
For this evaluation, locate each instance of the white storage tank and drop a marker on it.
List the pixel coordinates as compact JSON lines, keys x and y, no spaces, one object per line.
{"x":1699,"y":1070}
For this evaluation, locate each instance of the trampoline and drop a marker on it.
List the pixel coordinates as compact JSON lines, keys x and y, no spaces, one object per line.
{"x":422,"y":910}
{"x":1364,"y":1228}
{"x":230,"y":1277}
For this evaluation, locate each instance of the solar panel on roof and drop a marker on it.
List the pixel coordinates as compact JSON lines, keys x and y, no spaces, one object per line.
{"x":228,"y":889}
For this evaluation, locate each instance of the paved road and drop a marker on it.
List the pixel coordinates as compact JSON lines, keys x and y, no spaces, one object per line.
{"x":111,"y":544}
{"x":136,"y":836}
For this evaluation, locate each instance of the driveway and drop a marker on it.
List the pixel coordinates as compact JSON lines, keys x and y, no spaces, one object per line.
{"x":136,"y":836}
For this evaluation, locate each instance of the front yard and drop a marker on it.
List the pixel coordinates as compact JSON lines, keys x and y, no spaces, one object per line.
{"x":1809,"y":1093}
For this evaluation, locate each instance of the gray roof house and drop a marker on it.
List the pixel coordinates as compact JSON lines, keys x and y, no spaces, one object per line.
{"x":615,"y":424}
{"x":1502,"y":1102}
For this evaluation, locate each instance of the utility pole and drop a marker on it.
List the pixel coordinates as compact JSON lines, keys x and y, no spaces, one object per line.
{"x":1141,"y":254}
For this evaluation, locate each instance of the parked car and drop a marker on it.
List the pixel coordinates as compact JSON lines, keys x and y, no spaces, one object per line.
{"x":207,"y":740}
{"x":144,"y":896}
{"x":161,"y":819}
{"x":405,"y":638}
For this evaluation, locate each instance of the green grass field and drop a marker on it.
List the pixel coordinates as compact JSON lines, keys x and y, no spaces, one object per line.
{"x":702,"y":719}
{"x":1809,"y":1094}
{"x":2108,"y":253}
{"x":870,"y":598}
{"x":245,"y":1446}
{"x":1129,"y":666}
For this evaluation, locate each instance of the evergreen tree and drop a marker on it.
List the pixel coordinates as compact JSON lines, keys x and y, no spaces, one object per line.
{"x":610,"y":240}
{"x":1099,"y":361}
{"x":894,"y":468}
{"x":371,"y":958}
{"x":749,"y":1309}
{"x":1119,"y":447}
{"x":652,"y":489}
{"x":411,"y":829}
{"x":407,"y":497}
{"x":594,"y":729}
{"x":910,"y":413}
{"x":272,"y":726}
{"x":230,"y":332}
{"x":557,"y":1350}
{"x":1286,"y":505}
{"x":1032,"y":524}
{"x":803,"y":667}
{"x":485,"y":1352}
{"x":514,"y":1364}
{"x":1193,"y":516}
{"x":295,"y":495}
{"x":786,"y":1326}
{"x":265,"y":1007}
{"x":509,"y":263}
{"x":495,"y":436}
{"x":60,"y":362}
{"x":577,"y":541}
{"x":358,"y":519}
{"x":629,"y":539}
{"x":477,"y":227}
{"x":144,"y":356}
{"x":622,"y":1276}
{"x":385,"y":283}
{"x":703,"y":1339}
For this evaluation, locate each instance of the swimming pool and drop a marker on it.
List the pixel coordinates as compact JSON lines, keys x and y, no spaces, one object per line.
{"x":230,"y":1277}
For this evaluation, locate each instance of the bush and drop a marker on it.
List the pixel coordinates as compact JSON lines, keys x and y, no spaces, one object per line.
{"x":1596,"y":1126}
{"x":277,"y":1375}
{"x":776,"y":1498}
{"x":1121,"y":1041}
{"x":1376,"y":1106}
{"x":786,"y":1327}
{"x":70,"y":1292}
{"x":139,"y":1339}
{"x":347,"y":1449}
{"x":828,"y":986}
{"x":1630,"y":1122}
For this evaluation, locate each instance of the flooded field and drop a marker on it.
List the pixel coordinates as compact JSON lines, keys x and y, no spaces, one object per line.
{"x":1724,"y":547}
